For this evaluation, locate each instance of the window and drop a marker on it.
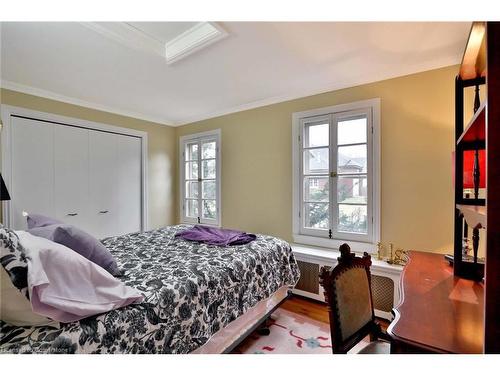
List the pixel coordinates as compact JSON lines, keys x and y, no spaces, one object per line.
{"x":336,"y":175}
{"x":200,"y":178}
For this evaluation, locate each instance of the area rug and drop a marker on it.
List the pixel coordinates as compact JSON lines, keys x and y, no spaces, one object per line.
{"x":290,"y":333}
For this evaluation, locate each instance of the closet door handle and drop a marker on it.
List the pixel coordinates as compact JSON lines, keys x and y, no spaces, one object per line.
{"x":72,"y":214}
{"x":103,"y":212}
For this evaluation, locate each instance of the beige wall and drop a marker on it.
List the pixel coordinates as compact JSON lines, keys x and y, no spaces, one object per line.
{"x":417,"y":133}
{"x":161,"y":148}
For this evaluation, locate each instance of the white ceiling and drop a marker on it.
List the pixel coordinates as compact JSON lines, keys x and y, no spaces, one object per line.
{"x":258,"y":63}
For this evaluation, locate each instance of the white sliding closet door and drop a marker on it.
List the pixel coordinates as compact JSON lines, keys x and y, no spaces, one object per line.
{"x":103,"y":179}
{"x":71,"y":183}
{"x":86,"y":174}
{"x":32,"y":150}
{"x":128,"y":188}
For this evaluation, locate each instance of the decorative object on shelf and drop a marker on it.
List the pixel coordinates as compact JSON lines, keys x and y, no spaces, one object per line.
{"x":4,"y":193}
{"x":465,"y":247}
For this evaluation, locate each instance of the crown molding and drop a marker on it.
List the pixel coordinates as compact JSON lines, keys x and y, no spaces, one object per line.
{"x":192,"y":40}
{"x":310,"y":91}
{"x":127,"y":35}
{"x":9,"y":85}
{"x":298,"y":94}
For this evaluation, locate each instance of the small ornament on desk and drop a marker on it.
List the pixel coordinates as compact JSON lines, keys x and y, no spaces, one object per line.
{"x":380,"y":250}
{"x":398,"y":257}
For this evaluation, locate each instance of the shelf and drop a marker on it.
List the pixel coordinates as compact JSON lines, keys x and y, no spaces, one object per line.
{"x":474,"y":59}
{"x":475,"y":130}
{"x":475,"y":216}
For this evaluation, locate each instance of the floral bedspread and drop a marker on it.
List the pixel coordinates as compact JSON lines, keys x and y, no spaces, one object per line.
{"x":191,"y":291}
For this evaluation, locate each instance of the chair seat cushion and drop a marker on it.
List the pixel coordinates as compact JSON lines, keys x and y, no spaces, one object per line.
{"x":376,"y":347}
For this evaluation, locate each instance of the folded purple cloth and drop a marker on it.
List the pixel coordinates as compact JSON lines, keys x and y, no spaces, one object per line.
{"x":216,"y":236}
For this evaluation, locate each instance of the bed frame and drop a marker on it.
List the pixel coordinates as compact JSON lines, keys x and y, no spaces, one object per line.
{"x":256,"y":326}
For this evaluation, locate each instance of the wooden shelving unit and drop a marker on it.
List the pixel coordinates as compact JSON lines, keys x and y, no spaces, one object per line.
{"x":480,"y":68}
{"x":470,"y":212}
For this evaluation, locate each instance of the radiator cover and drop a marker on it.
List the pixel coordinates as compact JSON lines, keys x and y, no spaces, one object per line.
{"x":382,"y":288}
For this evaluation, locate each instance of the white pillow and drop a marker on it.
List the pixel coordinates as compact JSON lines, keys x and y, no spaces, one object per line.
{"x":66,"y":286}
{"x":15,"y":308}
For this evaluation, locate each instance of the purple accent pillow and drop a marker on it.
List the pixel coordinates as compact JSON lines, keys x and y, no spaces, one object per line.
{"x":81,"y":242}
{"x":36,"y":220}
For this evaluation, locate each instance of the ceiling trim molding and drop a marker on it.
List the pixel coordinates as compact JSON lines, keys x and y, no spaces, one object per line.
{"x":9,"y":85}
{"x":128,"y":36}
{"x":239,"y":108}
{"x":299,"y":94}
{"x":192,"y":40}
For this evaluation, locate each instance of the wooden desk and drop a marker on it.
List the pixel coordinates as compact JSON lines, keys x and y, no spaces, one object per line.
{"x":438,"y":312}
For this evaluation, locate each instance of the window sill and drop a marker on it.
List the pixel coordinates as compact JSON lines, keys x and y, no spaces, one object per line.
{"x":188,"y":222}
{"x":334,"y":244}
{"x":329,"y":257}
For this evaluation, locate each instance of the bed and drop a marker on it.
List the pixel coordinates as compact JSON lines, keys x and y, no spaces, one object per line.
{"x":198,"y":298}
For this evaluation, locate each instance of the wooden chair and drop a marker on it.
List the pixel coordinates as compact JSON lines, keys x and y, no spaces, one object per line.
{"x":347,"y":289}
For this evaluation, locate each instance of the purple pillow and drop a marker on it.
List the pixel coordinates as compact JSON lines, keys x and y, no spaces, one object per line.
{"x":81,"y":242}
{"x":36,"y":220}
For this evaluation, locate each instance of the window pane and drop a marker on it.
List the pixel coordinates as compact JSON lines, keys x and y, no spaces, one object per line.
{"x":316,"y":134}
{"x":209,"y":211}
{"x":353,"y":190}
{"x":353,"y":218}
{"x":208,"y":150}
{"x":208,"y":189}
{"x":316,"y":189}
{"x":208,"y":169}
{"x":316,"y":215}
{"x":192,"y":151}
{"x":192,"y":189}
{"x":316,"y":161}
{"x":191,"y":208}
{"x":351,"y":131}
{"x":351,"y":159}
{"x":192,"y":170}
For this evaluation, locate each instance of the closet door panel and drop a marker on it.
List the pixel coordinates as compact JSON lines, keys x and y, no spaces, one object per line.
{"x":71,"y":160}
{"x":129,"y":184}
{"x":103,"y":180}
{"x":32,"y":180}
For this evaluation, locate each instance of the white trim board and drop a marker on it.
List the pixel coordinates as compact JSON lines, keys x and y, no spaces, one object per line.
{"x":81,"y":103}
{"x":8,"y":111}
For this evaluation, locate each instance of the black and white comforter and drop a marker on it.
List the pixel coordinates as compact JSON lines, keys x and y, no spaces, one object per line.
{"x":191,"y":291}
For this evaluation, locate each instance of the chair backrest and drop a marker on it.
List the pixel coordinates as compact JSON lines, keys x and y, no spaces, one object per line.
{"x":347,"y":289}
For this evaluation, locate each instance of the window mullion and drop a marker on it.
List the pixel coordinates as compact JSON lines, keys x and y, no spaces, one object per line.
{"x":333,"y":175}
{"x":200,"y":188}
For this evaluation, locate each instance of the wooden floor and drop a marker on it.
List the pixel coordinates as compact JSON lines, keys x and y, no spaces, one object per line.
{"x":314,"y":309}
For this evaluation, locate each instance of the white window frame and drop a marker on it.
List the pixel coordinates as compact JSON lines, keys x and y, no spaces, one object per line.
{"x":358,"y":242}
{"x":214,"y":135}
